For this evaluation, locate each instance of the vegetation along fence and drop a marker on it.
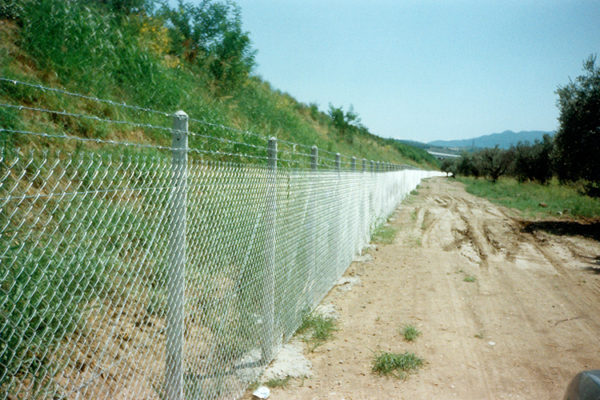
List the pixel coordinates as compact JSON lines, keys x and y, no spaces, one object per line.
{"x":151,"y":270}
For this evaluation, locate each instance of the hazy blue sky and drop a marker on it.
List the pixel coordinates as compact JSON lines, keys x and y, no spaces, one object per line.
{"x":425,"y":69}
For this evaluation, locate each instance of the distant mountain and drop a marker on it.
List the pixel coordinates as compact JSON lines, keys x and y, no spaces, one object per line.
{"x":503,"y":140}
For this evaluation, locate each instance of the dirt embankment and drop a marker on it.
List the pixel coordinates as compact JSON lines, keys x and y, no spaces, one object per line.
{"x":521,"y":330}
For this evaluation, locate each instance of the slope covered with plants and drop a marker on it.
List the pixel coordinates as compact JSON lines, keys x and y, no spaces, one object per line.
{"x":194,"y":57}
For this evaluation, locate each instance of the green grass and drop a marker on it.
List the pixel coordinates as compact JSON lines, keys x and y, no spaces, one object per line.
{"x":561,"y":200}
{"x":410,"y":333}
{"x":384,"y":234}
{"x":278,"y":382}
{"x":316,"y":329}
{"x":469,"y":278}
{"x":396,"y":364}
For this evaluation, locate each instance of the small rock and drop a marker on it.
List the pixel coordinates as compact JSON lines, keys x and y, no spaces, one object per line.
{"x":345,"y":283}
{"x":492,"y":343}
{"x":542,"y":204}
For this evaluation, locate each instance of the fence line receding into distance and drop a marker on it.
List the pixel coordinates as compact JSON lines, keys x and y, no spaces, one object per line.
{"x":134,"y":270}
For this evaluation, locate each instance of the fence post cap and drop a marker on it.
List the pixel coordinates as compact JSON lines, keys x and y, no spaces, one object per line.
{"x":181,"y":114}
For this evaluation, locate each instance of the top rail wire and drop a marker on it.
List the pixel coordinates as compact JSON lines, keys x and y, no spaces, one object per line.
{"x":141,"y":109}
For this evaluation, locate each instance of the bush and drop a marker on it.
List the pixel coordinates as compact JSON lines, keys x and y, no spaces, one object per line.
{"x":210,"y":34}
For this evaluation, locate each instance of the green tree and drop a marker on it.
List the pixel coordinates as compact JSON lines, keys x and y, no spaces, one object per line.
{"x":578,"y":138}
{"x":449,"y":165}
{"x":210,"y":34}
{"x":493,"y":162}
{"x":344,"y":121}
{"x":465,"y":165}
{"x":533,"y":162}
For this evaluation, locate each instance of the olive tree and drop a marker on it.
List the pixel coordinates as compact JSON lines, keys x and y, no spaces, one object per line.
{"x":577,"y":140}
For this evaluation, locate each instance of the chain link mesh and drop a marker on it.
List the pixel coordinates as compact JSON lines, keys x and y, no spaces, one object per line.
{"x":139,"y":271}
{"x":86,"y":248}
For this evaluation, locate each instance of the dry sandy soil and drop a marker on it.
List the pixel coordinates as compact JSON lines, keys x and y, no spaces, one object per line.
{"x":528,"y":323}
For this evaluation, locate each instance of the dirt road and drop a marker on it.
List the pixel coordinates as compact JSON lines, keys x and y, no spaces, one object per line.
{"x":521,"y":330}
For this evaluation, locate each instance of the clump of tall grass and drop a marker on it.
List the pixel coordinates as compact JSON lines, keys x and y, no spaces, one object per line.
{"x":397,"y":364}
{"x":410,"y":333}
{"x":318,"y":328}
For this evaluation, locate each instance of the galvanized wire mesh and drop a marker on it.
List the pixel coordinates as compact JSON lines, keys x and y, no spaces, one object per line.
{"x":86,"y":244}
{"x":147,"y":272}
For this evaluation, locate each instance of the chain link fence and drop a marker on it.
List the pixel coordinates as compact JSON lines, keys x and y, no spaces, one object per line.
{"x":154,"y":272}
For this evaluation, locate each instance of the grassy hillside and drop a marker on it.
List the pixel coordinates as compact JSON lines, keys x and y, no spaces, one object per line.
{"x":137,"y":58}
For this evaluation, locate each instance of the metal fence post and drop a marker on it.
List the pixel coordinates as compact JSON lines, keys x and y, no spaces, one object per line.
{"x":313,"y":232}
{"x":177,"y":253}
{"x":338,"y":217}
{"x":269,"y":275}
{"x":355,"y":211}
{"x":364,"y":208}
{"x":372,"y":166}
{"x":314,"y":158}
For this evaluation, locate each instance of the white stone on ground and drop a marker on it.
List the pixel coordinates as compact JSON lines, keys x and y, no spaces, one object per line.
{"x":290,"y":361}
{"x":327,"y":311}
